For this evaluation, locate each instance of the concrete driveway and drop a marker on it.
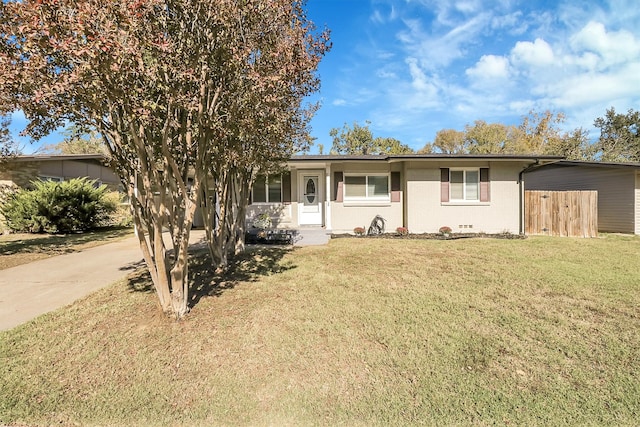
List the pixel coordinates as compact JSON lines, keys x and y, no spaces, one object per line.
{"x":29,"y":290}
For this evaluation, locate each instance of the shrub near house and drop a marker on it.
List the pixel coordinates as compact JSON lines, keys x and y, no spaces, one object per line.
{"x":59,"y":207}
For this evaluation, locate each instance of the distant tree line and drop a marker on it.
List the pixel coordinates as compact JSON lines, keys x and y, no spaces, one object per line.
{"x":359,"y":140}
{"x":538,"y":133}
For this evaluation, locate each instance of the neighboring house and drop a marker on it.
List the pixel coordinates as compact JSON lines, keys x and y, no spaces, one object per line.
{"x":618,"y":186}
{"x":20,"y":171}
{"x":469,"y":193}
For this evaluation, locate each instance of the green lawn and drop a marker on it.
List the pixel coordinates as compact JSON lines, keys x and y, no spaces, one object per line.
{"x":542,"y":331}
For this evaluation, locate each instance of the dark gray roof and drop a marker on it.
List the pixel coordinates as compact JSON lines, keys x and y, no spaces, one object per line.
{"x":389,"y":157}
{"x":569,"y":163}
{"x":48,"y":157}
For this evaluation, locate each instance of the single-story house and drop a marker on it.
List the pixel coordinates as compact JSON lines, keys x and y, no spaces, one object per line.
{"x":20,"y":171}
{"x":617,"y":184}
{"x":469,"y":193}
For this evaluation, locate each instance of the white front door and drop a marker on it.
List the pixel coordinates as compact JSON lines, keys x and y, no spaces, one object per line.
{"x":309,"y":198}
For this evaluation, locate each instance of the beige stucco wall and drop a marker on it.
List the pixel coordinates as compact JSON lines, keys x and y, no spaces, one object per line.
{"x":345,"y":216}
{"x":419,"y":208}
{"x":426,"y":213}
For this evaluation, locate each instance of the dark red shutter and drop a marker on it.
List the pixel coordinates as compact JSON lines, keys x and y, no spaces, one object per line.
{"x":485,"y":194}
{"x":396,"y":186}
{"x":444,"y":184}
{"x":286,"y":187}
{"x":338,"y":186}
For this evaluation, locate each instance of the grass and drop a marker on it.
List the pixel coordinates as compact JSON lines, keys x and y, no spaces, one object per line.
{"x":542,"y":331}
{"x":23,"y":248}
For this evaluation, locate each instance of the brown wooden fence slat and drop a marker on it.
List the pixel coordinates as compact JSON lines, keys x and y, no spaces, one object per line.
{"x":561,"y":213}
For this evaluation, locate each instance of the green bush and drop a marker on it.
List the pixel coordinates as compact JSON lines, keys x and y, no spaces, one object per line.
{"x":59,"y":207}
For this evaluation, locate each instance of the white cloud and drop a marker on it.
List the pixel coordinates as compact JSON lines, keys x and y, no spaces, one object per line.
{"x":379,"y":16}
{"x":592,"y":67}
{"x":490,"y":67}
{"x":418,"y":78}
{"x":386,"y":74}
{"x":452,"y":62}
{"x":613,"y":47}
{"x":376,"y":17}
{"x":509,"y":21}
{"x":537,"y":54}
{"x":596,"y":88}
{"x":468,"y":6}
{"x":384,"y":55}
{"x":442,"y":49}
{"x":339,"y":102}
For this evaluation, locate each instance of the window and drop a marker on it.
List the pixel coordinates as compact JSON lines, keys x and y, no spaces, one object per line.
{"x":366,"y":187}
{"x":51,"y":178}
{"x":267,"y":189}
{"x":465,"y":184}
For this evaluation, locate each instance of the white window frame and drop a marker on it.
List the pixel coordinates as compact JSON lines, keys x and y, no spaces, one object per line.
{"x":464,"y":185}
{"x":367,"y":198}
{"x":266,"y":189}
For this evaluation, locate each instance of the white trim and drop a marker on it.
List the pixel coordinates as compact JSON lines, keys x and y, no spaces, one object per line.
{"x":464,"y":186}
{"x":327,"y":202}
{"x":321,"y":192}
{"x":366,"y":200}
{"x":366,"y":203}
{"x":465,"y":203}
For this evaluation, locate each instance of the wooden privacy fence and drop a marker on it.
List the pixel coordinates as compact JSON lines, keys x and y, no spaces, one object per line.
{"x":561,"y":213}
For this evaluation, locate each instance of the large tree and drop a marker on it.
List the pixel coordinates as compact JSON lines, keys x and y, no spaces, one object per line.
{"x":489,"y":138}
{"x":447,"y":141}
{"x":619,"y":136}
{"x":189,"y":96}
{"x":359,"y":140}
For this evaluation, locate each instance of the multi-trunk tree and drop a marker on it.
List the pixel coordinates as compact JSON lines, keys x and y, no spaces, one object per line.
{"x":191,"y":97}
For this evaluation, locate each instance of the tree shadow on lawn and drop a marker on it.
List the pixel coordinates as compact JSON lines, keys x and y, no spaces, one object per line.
{"x":257,"y":261}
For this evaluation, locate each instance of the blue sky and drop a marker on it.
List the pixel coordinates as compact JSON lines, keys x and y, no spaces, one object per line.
{"x":414,"y":67}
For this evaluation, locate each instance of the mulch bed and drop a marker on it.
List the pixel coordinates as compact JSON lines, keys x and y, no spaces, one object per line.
{"x":269,"y":237}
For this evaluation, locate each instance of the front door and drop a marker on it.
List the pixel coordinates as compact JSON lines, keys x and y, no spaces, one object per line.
{"x":309,"y":200}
